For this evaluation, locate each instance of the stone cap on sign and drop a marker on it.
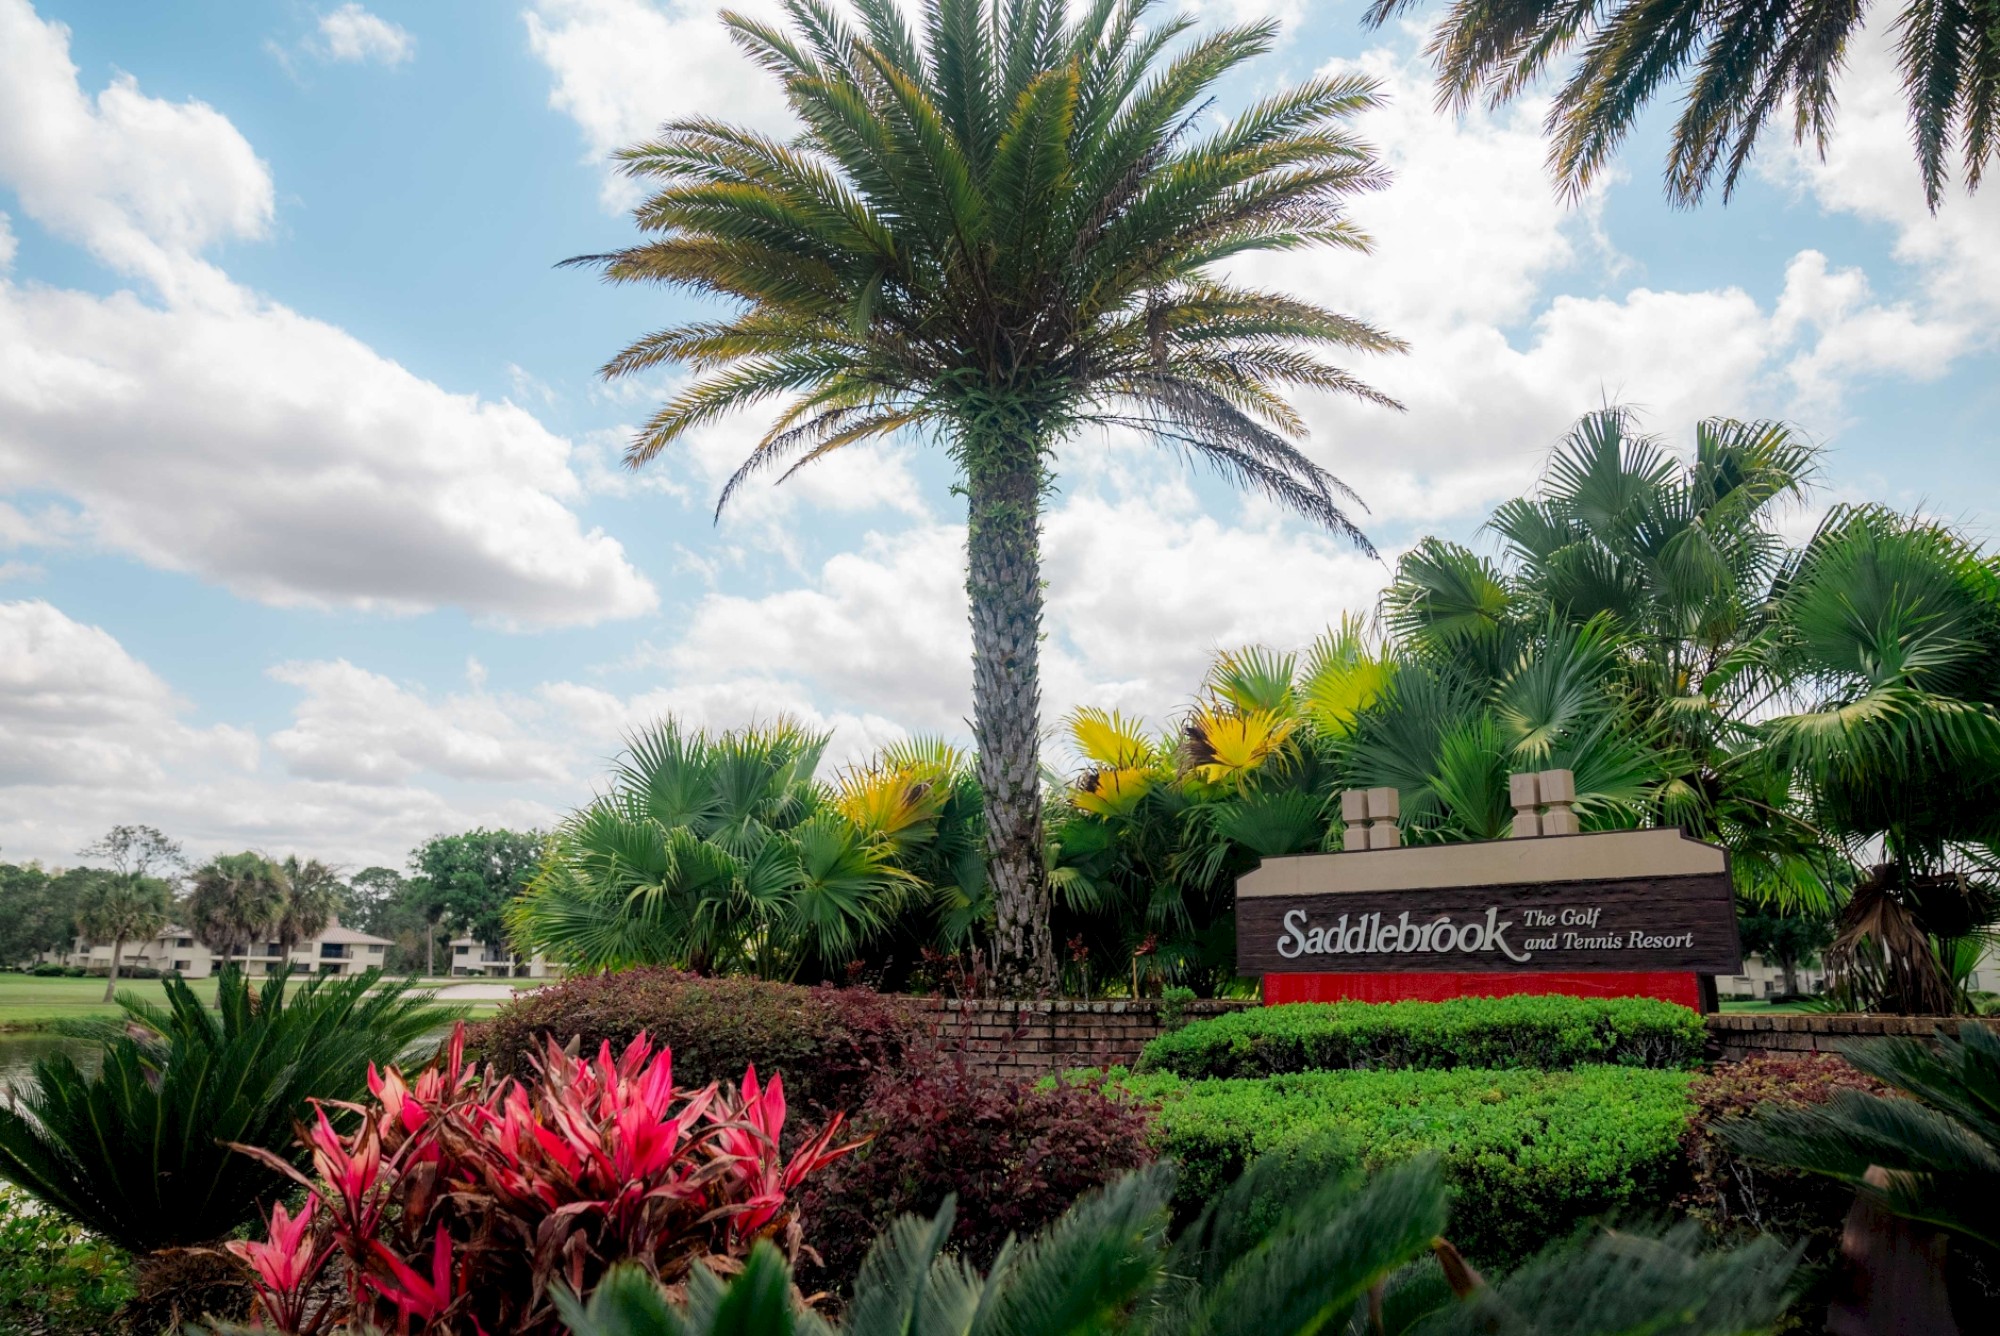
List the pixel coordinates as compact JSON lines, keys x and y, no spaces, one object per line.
{"x":1603,"y":856}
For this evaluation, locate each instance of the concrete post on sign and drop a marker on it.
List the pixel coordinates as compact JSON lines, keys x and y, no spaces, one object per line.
{"x":1384,"y":806}
{"x":1525,"y":795}
{"x":1354,"y":819}
{"x":1558,"y":793}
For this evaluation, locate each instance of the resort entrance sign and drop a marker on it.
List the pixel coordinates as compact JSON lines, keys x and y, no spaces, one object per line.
{"x":1634,"y":912}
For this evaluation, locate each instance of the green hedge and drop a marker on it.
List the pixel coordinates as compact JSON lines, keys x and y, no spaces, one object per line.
{"x":1550,"y":1033}
{"x":1531,"y":1155}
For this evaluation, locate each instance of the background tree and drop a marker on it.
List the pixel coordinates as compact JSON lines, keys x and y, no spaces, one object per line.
{"x":234,"y":898}
{"x":312,"y":901}
{"x":998,"y":230}
{"x":465,"y":881}
{"x":384,"y":903}
{"x":120,"y":908}
{"x":40,"y":909}
{"x":137,"y":851}
{"x":1735,"y":66}
{"x":1785,"y":937}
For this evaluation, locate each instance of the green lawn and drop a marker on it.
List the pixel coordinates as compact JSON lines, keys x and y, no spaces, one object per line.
{"x":28,"y":1004}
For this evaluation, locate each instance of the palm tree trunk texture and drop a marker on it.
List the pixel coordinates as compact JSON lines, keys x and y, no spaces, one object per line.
{"x":111,"y":983}
{"x":1004,"y":585}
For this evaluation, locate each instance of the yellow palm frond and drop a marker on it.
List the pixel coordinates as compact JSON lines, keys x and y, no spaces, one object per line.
{"x":1344,"y":674}
{"x":894,"y":804}
{"x":1224,"y":746}
{"x":1109,"y":740}
{"x":1114,"y":791}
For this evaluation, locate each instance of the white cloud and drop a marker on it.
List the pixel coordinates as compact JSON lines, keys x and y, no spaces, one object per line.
{"x":351,"y":33}
{"x":76,"y":709}
{"x":360,"y":727}
{"x":225,"y":435}
{"x":8,"y":244}
{"x":621,"y":67}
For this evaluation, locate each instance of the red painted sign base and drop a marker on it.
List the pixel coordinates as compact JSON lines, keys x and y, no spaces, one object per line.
{"x":1667,"y":985}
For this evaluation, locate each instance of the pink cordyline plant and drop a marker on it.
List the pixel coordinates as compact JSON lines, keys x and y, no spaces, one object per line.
{"x":458,"y":1199}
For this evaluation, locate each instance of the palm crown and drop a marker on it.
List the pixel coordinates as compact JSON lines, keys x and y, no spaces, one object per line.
{"x":995,"y":232}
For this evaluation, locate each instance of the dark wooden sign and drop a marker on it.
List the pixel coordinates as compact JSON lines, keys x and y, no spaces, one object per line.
{"x":1640,"y":923}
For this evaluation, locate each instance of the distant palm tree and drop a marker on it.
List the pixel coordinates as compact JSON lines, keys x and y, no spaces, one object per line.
{"x":1737,"y":66}
{"x":235,"y":898}
{"x":311,"y":900}
{"x":121,"y":909}
{"x":997,"y":231}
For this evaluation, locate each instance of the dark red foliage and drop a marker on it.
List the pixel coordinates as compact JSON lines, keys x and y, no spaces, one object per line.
{"x":460,"y":1201}
{"x":829,"y":1042}
{"x":1017,"y":1155}
{"x":1735,"y":1196}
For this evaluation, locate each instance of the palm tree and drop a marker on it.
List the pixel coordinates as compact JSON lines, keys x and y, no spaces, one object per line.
{"x":1736,"y":65}
{"x":1280,"y":1254}
{"x":120,"y":909}
{"x":312,"y":897}
{"x":1884,"y":643}
{"x":996,"y":232}
{"x":235,"y":897}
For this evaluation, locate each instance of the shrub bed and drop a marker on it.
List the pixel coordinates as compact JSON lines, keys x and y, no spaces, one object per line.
{"x":1530,"y":1155}
{"x":1549,"y":1033}
{"x":1737,"y":1197}
{"x":828,"y":1042}
{"x":1016,"y":1154}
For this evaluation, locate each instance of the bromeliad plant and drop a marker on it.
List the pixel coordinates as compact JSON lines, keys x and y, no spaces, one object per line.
{"x":458,"y":1200}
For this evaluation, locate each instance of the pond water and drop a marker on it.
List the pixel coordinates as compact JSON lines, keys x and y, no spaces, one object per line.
{"x":19,"y":1052}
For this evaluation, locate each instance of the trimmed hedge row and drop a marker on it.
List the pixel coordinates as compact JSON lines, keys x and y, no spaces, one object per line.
{"x":1546,"y":1033}
{"x":1531,"y":1155}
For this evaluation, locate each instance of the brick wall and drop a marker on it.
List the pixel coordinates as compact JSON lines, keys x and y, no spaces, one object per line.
{"x":1032,"y":1039}
{"x":1741,"y":1035}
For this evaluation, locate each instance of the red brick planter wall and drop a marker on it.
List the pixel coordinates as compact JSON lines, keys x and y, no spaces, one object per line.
{"x":1032,"y":1039}
{"x":1741,"y":1036}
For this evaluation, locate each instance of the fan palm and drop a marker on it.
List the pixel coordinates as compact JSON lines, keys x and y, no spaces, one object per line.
{"x":121,"y":908}
{"x":1677,"y":558}
{"x":1885,"y":643}
{"x":233,"y":899}
{"x":998,"y":229}
{"x":714,"y":853}
{"x":1738,"y":66}
{"x":1270,"y":1258}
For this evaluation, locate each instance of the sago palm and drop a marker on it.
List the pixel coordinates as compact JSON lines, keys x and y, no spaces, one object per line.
{"x":1736,"y":67}
{"x":1272,"y":1257}
{"x":996,"y":229}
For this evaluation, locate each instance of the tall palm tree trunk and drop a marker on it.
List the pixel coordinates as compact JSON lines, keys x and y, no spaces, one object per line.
{"x":1004,"y":584}
{"x":111,"y":982}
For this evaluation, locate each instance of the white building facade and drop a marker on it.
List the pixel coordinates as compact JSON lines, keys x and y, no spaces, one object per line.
{"x":336,"y":951}
{"x":474,"y":959}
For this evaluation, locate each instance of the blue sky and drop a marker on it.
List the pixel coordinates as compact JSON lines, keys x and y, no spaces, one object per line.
{"x":312,"y":535}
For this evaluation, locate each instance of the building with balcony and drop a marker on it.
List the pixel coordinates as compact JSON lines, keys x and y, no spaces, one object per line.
{"x":474,"y":959}
{"x":335,"y":951}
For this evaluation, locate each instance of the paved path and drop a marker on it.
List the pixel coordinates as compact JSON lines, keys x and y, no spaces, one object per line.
{"x":476,"y":992}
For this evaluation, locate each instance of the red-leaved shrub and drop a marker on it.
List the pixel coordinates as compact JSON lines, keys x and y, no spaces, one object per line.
{"x":461,"y":1198}
{"x":1733,"y":1195}
{"x":829,"y":1042}
{"x":1016,"y":1154}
